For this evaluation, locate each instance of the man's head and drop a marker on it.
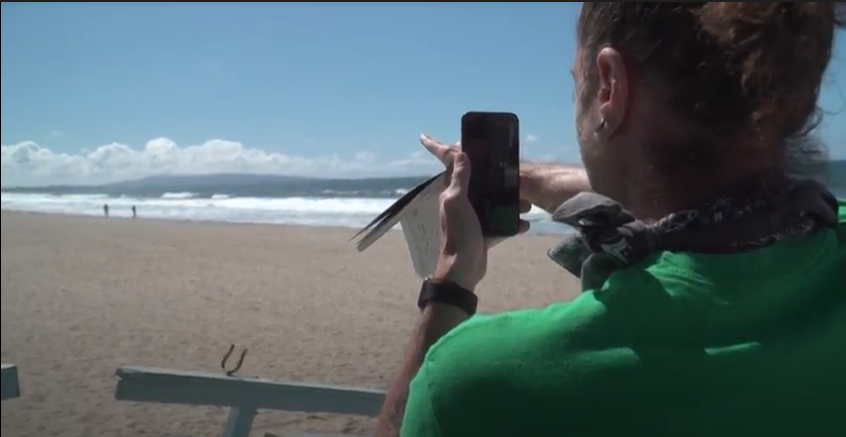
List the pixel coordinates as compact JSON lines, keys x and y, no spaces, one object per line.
{"x":709,"y":90}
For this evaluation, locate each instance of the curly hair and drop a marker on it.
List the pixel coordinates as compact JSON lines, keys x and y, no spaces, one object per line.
{"x":725,"y":65}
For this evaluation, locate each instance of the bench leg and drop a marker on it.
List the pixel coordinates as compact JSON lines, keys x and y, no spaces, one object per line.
{"x":9,"y":387}
{"x":240,"y":421}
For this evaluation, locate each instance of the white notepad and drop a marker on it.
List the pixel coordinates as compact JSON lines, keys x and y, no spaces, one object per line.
{"x":419,"y":218}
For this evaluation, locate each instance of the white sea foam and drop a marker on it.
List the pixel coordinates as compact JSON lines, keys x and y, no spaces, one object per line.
{"x":324,"y":211}
{"x":182,"y":195}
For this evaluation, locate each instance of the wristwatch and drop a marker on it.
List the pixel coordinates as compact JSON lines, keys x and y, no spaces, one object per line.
{"x":447,"y":292}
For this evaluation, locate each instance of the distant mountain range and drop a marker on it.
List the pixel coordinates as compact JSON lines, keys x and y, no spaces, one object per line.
{"x":251,"y":185}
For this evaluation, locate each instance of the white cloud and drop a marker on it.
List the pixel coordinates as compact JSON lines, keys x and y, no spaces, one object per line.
{"x":28,"y":163}
{"x":531,"y":138}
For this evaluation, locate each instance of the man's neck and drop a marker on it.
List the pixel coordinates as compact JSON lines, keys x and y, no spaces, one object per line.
{"x":655,"y":191}
{"x":655,"y":198}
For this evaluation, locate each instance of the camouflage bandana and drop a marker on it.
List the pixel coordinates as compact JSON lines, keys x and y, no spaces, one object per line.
{"x":754,"y":213}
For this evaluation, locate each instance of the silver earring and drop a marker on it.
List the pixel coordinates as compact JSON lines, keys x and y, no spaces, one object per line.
{"x":602,"y":124}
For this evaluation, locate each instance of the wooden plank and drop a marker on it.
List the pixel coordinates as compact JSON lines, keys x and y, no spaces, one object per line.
{"x":150,"y":384}
{"x":9,"y":387}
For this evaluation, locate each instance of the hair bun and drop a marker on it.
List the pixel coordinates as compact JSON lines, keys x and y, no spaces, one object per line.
{"x":780,"y":50}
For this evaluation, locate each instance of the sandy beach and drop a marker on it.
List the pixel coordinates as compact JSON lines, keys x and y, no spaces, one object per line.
{"x":82,"y":296}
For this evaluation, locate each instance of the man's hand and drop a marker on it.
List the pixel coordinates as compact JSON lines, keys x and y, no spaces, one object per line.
{"x":550,"y":185}
{"x":464,"y":251}
{"x":463,"y":260}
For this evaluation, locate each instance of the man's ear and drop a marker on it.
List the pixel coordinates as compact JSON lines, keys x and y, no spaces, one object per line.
{"x":613,"y":89}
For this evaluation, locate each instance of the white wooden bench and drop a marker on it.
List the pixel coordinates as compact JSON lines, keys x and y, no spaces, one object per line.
{"x":242,"y":394}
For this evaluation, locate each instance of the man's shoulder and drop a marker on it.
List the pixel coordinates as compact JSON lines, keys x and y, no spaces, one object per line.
{"x":842,"y":210}
{"x":516,"y":333}
{"x":589,"y":331}
{"x":494,"y":371}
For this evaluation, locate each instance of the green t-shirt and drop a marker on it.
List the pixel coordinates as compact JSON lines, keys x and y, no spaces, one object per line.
{"x":680,"y":345}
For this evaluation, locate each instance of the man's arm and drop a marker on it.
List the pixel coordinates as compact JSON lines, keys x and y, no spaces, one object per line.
{"x":549,"y":185}
{"x":545,"y":185}
{"x":436,"y":321}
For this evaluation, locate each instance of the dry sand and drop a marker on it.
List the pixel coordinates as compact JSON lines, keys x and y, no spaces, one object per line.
{"x":82,"y":296}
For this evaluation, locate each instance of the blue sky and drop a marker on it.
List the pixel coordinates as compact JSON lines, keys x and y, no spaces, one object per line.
{"x":96,"y":92}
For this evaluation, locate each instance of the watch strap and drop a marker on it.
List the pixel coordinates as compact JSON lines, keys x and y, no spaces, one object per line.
{"x":449,"y":293}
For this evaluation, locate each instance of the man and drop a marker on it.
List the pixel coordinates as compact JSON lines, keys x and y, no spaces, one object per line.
{"x":698,"y":108}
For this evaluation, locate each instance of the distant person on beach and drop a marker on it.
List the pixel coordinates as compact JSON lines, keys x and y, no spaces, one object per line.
{"x":105,"y":210}
{"x":714,"y":284}
{"x":134,"y":212}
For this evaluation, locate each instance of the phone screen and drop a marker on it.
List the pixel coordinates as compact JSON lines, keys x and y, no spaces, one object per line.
{"x":491,"y":141}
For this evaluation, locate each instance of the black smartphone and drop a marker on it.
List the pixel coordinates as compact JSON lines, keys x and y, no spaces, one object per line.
{"x":491,"y":141}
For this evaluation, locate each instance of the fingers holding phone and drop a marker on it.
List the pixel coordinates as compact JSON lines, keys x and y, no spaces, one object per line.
{"x":464,"y":245}
{"x":463,"y":250}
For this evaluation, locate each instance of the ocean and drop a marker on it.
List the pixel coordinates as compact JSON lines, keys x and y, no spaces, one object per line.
{"x":234,"y":199}
{"x":301,"y":202}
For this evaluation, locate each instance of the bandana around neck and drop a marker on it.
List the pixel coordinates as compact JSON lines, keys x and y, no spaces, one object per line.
{"x":754,"y":213}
